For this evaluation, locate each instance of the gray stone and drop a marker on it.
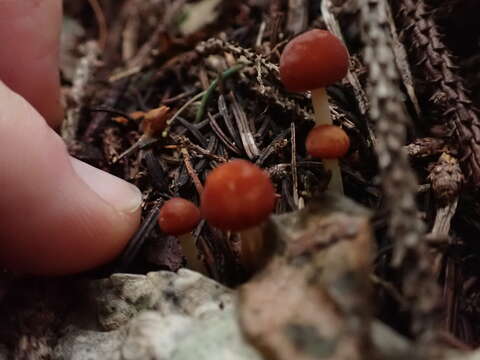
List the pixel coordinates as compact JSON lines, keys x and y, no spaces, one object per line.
{"x":81,"y":344}
{"x":161,"y":315}
{"x":176,"y":337}
{"x":122,"y":296}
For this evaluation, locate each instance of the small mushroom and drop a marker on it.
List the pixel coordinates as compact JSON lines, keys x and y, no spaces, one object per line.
{"x":312,"y":61}
{"x":178,"y":217}
{"x":239,"y":196}
{"x":328,"y":142}
{"x":153,"y":123}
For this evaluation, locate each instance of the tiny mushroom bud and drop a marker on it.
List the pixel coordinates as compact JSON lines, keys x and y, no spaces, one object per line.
{"x":239,"y":196}
{"x":179,"y":217}
{"x":312,"y":61}
{"x":328,"y":142}
{"x":153,"y":123}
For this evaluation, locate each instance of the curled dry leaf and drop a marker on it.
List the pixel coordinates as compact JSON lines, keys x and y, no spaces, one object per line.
{"x":155,"y":121}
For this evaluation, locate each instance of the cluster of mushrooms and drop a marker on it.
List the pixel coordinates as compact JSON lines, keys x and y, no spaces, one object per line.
{"x":239,"y":196}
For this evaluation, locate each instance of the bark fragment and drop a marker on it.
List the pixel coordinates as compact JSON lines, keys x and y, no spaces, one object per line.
{"x":316,"y":287}
{"x":398,"y":180}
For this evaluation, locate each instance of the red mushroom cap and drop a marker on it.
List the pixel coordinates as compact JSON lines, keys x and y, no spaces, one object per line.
{"x":312,"y":60}
{"x":178,"y":216}
{"x":327,"y":142}
{"x":237,"y":195}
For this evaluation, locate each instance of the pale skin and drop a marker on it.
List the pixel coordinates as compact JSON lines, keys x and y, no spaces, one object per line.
{"x":58,"y":215}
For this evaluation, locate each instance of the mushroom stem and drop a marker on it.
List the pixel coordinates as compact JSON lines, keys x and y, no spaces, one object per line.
{"x":253,"y":248}
{"x":321,"y":110}
{"x":191,"y":253}
{"x":336,"y":182}
{"x":321,"y":107}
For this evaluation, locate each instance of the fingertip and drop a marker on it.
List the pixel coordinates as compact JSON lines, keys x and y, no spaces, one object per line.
{"x":121,"y":195}
{"x":59,"y":216}
{"x":75,"y":229}
{"x":29,"y":44}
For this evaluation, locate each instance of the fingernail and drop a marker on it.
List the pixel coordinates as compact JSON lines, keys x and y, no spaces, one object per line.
{"x":122,"y":195}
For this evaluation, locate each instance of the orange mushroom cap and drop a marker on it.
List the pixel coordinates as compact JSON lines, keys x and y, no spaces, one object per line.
{"x":237,"y":195}
{"x":178,"y":216}
{"x":312,"y":60}
{"x":327,"y":142}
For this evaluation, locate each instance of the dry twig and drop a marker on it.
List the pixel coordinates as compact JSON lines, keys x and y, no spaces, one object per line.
{"x":398,"y":180}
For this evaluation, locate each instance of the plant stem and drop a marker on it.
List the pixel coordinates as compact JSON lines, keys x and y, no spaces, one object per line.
{"x":207,"y":93}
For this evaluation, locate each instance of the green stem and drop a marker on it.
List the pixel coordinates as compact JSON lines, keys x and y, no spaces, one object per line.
{"x":207,"y":93}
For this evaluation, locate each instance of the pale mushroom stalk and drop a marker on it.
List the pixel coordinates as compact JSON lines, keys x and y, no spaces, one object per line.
{"x":191,"y":253}
{"x":253,"y":247}
{"x":322,"y":115}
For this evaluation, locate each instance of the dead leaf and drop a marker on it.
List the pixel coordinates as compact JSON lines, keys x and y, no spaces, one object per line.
{"x":155,"y":121}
